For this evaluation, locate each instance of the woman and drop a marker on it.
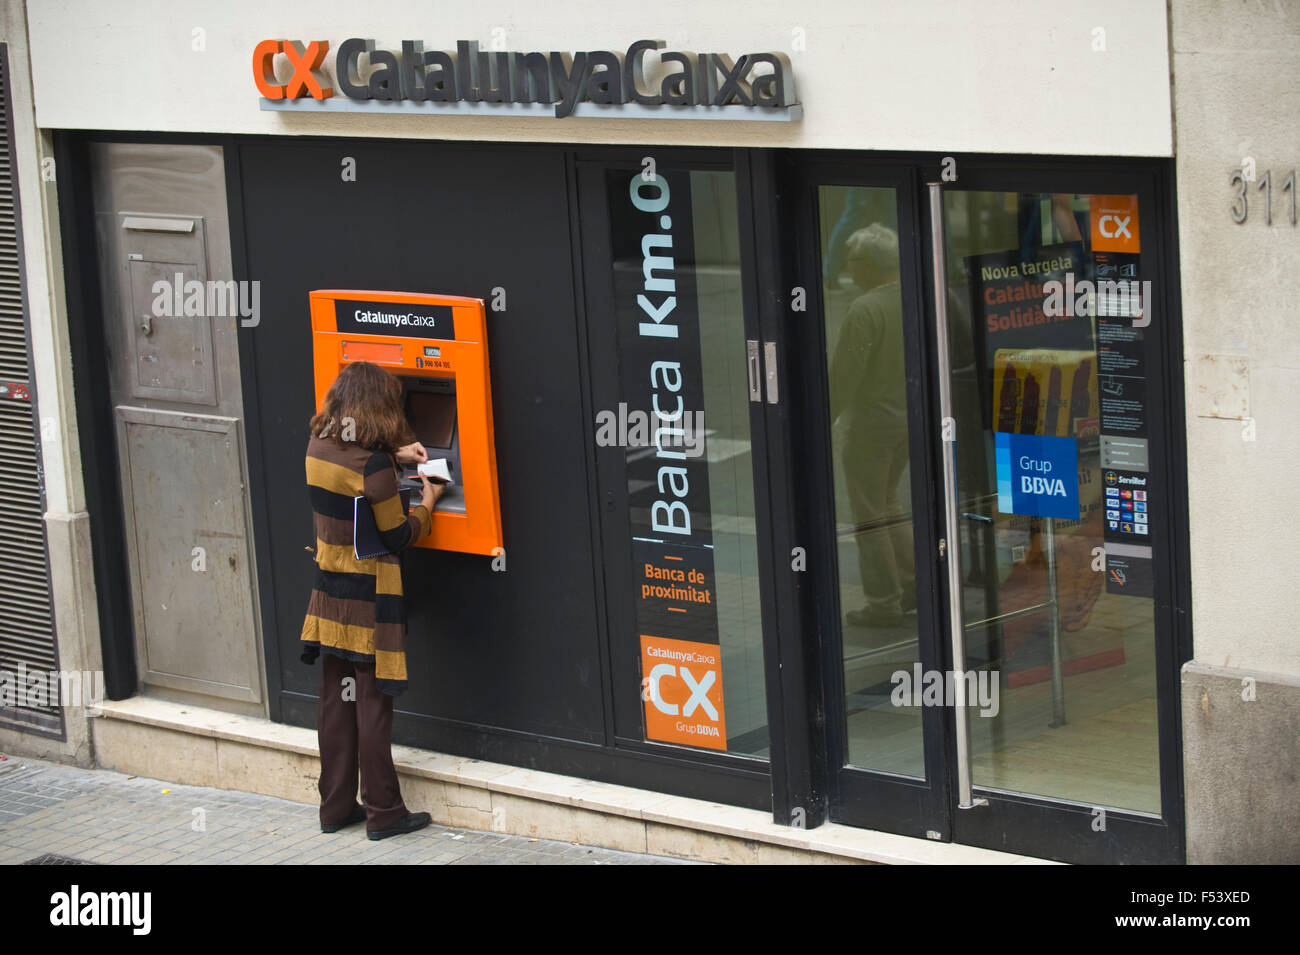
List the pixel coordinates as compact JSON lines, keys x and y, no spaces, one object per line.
{"x":355,"y":620}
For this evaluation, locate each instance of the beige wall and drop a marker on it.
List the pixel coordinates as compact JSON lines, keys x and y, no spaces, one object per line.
{"x":1236,"y":72}
{"x":998,"y":76}
{"x":38,"y":209}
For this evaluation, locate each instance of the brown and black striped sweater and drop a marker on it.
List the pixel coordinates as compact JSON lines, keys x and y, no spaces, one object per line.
{"x":356,"y":610}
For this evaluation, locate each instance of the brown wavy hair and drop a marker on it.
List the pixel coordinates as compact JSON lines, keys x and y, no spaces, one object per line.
{"x":372,"y":398}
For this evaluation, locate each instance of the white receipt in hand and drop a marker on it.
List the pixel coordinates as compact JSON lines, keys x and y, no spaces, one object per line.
{"x":436,"y":470}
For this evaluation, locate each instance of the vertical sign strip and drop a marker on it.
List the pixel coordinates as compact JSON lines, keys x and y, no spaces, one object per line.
{"x":661,"y":429}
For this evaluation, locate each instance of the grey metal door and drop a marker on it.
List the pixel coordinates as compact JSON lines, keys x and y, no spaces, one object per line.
{"x":171,"y":318}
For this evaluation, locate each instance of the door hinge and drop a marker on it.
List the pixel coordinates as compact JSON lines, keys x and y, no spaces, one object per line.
{"x":943,"y":547}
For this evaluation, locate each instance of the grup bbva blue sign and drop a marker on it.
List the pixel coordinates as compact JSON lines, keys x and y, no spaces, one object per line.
{"x":1037,"y":475}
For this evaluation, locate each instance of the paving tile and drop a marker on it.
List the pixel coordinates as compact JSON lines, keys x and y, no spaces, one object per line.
{"x":102,"y":816}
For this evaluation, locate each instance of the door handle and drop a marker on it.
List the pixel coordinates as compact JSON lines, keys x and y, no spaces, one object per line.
{"x":755,"y":385}
{"x":956,"y":616}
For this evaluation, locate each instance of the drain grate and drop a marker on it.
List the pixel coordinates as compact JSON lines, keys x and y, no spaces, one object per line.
{"x":50,"y":859}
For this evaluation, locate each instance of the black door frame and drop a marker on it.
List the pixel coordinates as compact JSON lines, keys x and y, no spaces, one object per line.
{"x":1010,"y":822}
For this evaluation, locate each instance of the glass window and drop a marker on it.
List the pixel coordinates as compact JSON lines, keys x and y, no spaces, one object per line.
{"x":863,"y":309}
{"x":1054,"y":492}
{"x":685,"y":413}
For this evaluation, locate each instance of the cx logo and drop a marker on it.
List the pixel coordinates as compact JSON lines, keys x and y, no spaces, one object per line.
{"x":698,"y":690}
{"x":304,"y":58}
{"x":683,"y":698}
{"x":1120,"y":229}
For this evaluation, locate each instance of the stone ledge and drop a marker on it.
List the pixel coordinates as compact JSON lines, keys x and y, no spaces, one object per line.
{"x":256,"y":755}
{"x":1194,"y":668}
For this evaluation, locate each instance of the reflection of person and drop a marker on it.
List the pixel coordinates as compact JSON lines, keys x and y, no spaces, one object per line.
{"x":855,"y":214}
{"x":862,"y":206}
{"x":355,"y":618}
{"x":868,"y":386}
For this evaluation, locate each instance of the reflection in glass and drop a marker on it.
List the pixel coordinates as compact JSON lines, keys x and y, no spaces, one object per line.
{"x":869,"y":440}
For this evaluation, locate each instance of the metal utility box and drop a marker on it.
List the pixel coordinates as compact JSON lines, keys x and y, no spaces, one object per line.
{"x":436,"y":345}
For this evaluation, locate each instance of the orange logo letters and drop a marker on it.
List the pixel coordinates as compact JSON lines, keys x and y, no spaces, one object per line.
{"x":304,"y":59}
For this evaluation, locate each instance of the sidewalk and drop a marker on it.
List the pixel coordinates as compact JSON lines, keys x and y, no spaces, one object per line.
{"x":99,"y":816}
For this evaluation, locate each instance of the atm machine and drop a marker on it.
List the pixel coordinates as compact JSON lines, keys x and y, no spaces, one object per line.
{"x":436,"y":345}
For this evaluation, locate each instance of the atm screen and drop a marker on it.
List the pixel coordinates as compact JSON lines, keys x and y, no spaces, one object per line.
{"x":432,"y":417}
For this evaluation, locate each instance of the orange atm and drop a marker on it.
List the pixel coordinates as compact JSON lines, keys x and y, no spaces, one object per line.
{"x":436,"y":345}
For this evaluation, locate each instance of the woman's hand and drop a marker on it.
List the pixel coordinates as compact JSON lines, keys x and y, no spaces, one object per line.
{"x":412,"y":454}
{"x":431,"y":493}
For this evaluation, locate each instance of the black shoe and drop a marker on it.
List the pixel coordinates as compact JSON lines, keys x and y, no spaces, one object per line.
{"x":408,"y":823}
{"x":358,"y":814}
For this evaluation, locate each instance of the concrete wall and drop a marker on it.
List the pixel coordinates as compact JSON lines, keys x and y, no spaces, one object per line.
{"x":996,"y":76}
{"x":1240,"y":729}
{"x":1236,"y":98}
{"x":66,"y":521}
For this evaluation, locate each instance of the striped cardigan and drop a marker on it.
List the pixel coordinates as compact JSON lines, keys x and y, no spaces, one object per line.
{"x":356,"y":610}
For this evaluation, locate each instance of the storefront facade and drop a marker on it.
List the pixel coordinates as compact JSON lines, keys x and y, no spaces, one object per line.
{"x":840,"y":439}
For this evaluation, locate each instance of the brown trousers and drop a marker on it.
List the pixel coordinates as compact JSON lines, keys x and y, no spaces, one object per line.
{"x":355,"y":727}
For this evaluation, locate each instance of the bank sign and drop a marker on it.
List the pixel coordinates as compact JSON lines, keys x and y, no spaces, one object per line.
{"x":1037,"y":475}
{"x":670,"y":514}
{"x":645,"y":81}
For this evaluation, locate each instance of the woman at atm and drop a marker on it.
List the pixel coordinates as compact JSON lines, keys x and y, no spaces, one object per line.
{"x":355,"y":619}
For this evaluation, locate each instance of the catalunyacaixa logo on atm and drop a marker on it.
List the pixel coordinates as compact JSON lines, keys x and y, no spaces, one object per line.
{"x":373,"y":77}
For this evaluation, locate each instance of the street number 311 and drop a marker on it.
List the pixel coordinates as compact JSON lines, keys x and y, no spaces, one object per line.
{"x":1240,"y":206}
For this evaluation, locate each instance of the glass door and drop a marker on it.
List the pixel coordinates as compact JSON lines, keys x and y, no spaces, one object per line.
{"x":1052,"y":445}
{"x":868,"y":454}
{"x":986,"y":447}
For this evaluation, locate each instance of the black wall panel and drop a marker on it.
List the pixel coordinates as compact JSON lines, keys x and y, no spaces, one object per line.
{"x":514,"y":650}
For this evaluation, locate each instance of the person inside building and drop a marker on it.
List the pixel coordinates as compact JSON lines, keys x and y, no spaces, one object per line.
{"x":355,"y":619}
